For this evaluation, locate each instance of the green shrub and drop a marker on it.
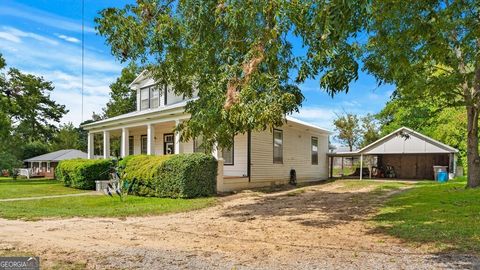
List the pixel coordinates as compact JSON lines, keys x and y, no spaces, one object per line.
{"x":175,"y":176}
{"x":145,"y":170}
{"x":82,"y":173}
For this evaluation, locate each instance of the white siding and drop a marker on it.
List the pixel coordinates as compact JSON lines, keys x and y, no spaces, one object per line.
{"x":400,"y":144}
{"x":296,"y":155}
{"x":239,"y":167}
{"x":172,"y":98}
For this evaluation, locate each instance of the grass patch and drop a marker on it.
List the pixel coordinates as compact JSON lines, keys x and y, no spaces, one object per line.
{"x":22,"y":188}
{"x":447,"y":216}
{"x":375,"y":185}
{"x":98,"y":206}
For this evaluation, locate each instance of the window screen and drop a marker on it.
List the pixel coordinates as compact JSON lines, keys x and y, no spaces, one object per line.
{"x":154,"y":97}
{"x":144,"y":98}
{"x":144,"y":144}
{"x":198,"y":145}
{"x":130,"y":145}
{"x":314,"y":151}
{"x":227,"y":154}
{"x":277,"y":146}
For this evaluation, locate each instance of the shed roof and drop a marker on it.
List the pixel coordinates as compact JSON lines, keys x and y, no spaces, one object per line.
{"x":59,"y":155}
{"x":403,"y":141}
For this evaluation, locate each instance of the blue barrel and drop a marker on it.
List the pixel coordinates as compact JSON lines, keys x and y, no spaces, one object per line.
{"x":442,"y":177}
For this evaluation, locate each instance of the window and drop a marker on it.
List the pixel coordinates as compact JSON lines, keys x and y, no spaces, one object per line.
{"x":144,"y":144}
{"x":198,"y":145}
{"x":144,"y":98}
{"x":314,"y":151}
{"x":277,"y":146}
{"x":130,"y":145}
{"x":168,"y":144}
{"x":227,"y":154}
{"x":154,"y":97}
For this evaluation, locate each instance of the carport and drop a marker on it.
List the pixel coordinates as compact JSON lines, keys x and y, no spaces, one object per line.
{"x":403,"y":154}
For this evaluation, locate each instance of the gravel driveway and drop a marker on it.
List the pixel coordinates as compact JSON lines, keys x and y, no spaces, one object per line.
{"x":316,"y":227}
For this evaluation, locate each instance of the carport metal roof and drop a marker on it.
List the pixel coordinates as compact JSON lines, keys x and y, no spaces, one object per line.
{"x":401,"y":141}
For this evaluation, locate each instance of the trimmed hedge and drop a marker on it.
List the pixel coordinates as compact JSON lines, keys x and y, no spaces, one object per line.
{"x":82,"y":173}
{"x":174,"y":176}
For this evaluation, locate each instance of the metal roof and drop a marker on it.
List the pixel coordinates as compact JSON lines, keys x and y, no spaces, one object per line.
{"x":59,"y":155}
{"x":402,"y":141}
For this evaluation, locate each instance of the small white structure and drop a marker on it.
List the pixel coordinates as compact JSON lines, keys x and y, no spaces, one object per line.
{"x":411,"y":154}
{"x":256,"y":158}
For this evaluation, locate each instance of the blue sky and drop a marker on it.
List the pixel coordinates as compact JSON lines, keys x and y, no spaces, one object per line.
{"x":43,"y":37}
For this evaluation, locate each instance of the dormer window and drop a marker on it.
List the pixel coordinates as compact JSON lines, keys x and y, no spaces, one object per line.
{"x":149,"y":98}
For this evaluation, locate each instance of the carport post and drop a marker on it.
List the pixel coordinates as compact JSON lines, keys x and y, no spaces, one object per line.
{"x":361,"y":166}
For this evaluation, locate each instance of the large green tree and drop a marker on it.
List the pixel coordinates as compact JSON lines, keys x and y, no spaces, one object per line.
{"x":27,"y":115}
{"x":122,"y":97}
{"x":25,"y":101}
{"x":237,"y":54}
{"x":430,"y":50}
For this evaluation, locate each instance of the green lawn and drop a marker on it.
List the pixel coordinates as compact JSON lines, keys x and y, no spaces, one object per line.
{"x":98,"y":206}
{"x":446,"y":216}
{"x":21,"y":188}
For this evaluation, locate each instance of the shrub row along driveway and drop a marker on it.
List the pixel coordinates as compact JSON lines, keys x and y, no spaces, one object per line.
{"x":321,"y":226}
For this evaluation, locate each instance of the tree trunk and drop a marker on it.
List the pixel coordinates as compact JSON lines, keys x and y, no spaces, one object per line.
{"x":473,"y":159}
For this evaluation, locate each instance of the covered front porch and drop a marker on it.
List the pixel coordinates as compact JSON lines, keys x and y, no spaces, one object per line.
{"x":161,"y":138}
{"x":156,"y":138}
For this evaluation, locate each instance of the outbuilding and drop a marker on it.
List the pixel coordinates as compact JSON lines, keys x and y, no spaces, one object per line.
{"x":402,"y":154}
{"x":44,"y":165}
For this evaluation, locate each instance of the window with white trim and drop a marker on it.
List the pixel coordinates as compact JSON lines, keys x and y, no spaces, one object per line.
{"x":277,"y":146}
{"x":314,"y":151}
{"x":144,"y":98}
{"x":227,"y":154}
{"x":198,"y":146}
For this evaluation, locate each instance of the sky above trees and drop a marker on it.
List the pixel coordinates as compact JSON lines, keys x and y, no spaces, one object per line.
{"x":43,"y":37}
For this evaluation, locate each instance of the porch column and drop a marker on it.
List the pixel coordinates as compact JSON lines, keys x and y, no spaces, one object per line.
{"x":125,"y":146}
{"x":150,"y":139}
{"x":90,"y":146}
{"x":178,"y":134}
{"x":217,"y":152}
{"x":106,"y":144}
{"x":361,"y":166}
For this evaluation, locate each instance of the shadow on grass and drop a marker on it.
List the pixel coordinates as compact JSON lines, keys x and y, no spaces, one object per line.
{"x":445,"y":216}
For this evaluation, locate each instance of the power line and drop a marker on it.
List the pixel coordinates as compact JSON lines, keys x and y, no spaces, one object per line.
{"x":83,"y":48}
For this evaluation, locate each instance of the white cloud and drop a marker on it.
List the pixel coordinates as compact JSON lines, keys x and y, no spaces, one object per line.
{"x":10,"y":37}
{"x":60,"y":62}
{"x":16,"y":35}
{"x":47,"y":54}
{"x":323,"y":116}
{"x":69,"y":39}
{"x":45,"y":18}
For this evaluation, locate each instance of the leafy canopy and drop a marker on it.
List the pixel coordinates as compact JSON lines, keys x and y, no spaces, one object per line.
{"x":238,"y":56}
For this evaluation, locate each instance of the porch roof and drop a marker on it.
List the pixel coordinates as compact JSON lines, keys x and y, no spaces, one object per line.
{"x":138,"y":116}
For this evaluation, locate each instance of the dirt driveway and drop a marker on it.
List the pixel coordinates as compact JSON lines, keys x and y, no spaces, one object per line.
{"x":316,"y":227}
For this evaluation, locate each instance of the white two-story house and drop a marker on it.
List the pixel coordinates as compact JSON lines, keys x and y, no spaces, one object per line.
{"x":256,"y":159}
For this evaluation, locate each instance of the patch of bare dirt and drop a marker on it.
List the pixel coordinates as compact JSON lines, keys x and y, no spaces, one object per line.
{"x":315,"y":227}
